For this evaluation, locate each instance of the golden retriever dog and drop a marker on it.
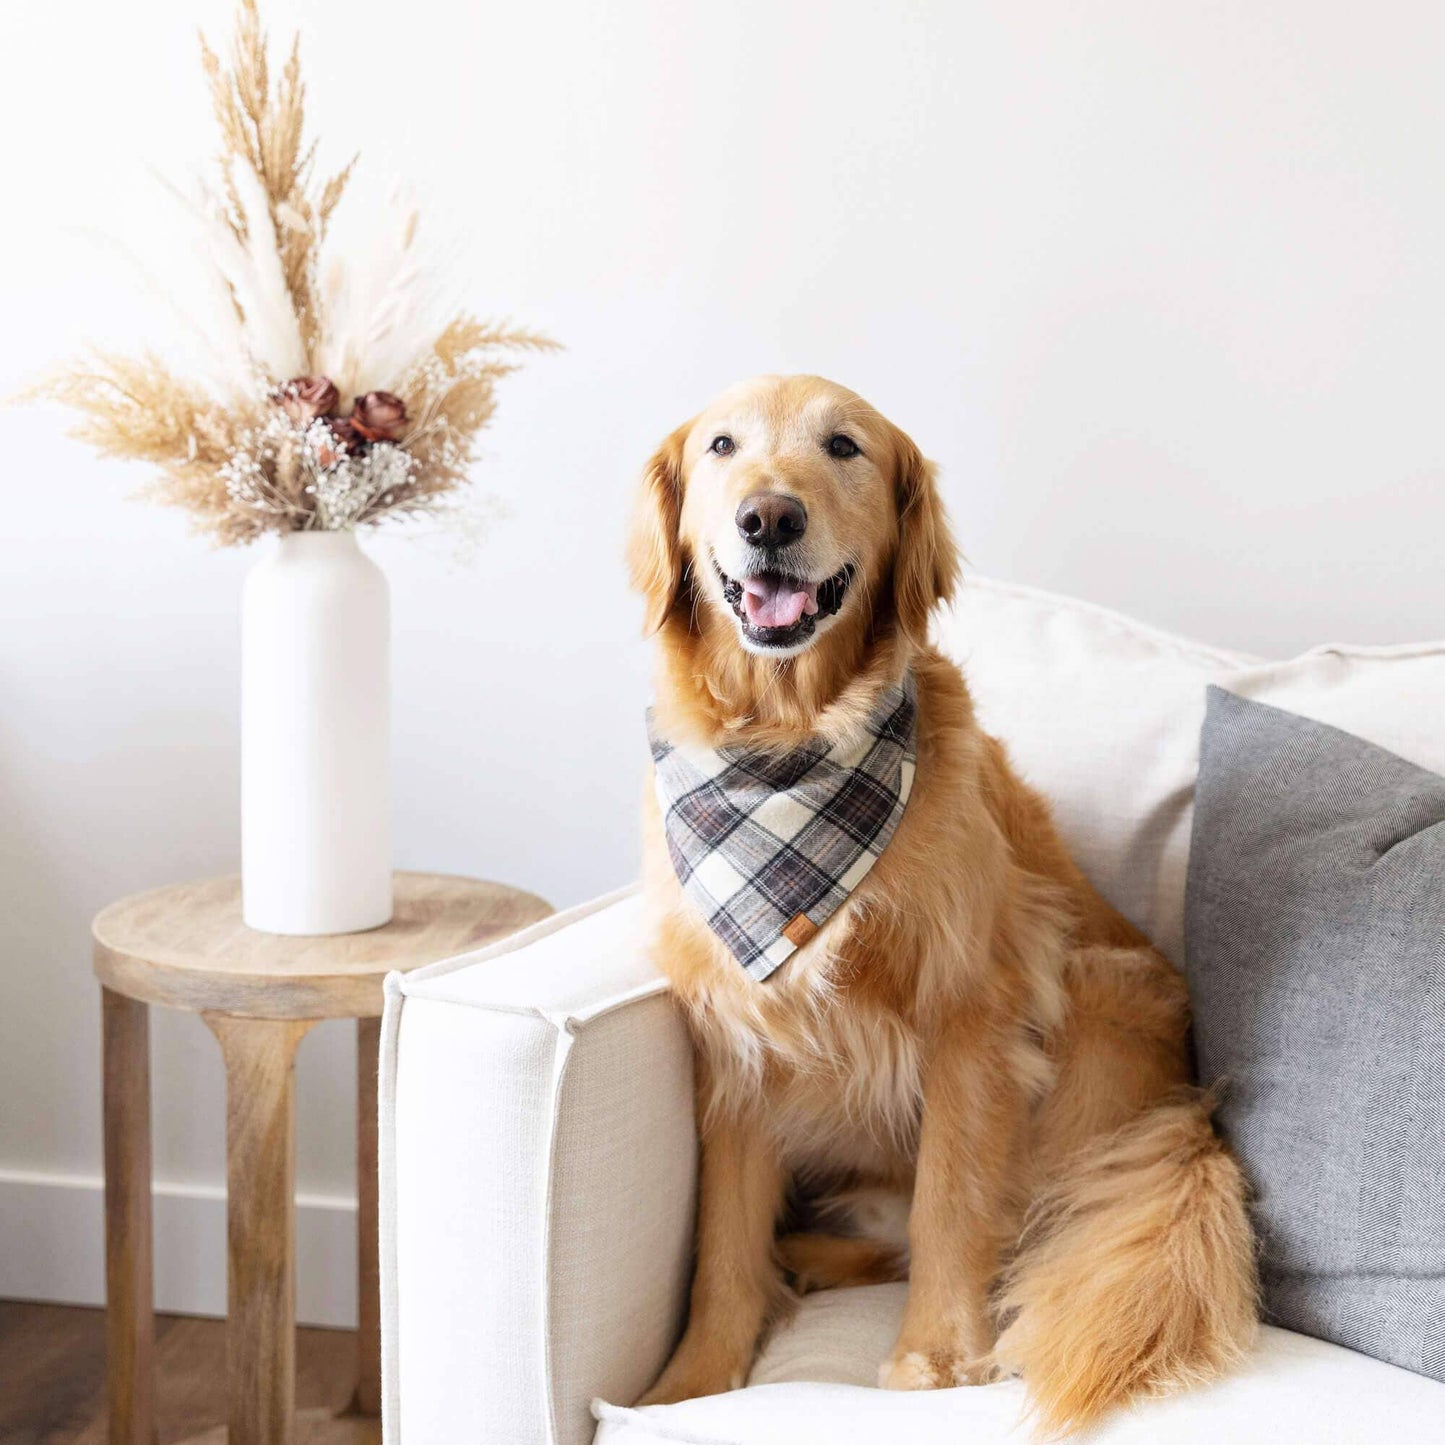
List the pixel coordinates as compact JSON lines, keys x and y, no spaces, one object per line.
{"x":974,"y":1075}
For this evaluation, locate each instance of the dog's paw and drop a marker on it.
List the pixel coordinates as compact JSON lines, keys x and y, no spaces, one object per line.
{"x":939,"y":1369}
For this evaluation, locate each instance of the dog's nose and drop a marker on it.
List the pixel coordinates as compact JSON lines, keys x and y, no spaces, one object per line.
{"x":771,"y":519}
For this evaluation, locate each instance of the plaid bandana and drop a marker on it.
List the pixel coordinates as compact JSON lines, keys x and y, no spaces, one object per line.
{"x":769,"y":845}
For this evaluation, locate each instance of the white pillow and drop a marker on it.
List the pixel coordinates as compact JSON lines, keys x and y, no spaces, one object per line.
{"x":1102,"y":715}
{"x":1391,"y":696}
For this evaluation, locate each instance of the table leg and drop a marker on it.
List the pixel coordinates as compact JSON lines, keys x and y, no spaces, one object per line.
{"x":129,"y":1308}
{"x":368,"y":1376}
{"x":260,"y":1057}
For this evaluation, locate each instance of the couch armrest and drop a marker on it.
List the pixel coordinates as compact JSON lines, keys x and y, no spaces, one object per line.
{"x":537,"y":1174}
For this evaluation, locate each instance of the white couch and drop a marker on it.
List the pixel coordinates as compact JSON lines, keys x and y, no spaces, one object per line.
{"x":537,"y":1143}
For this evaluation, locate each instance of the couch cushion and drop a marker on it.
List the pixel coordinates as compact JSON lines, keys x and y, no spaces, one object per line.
{"x":1102,"y":715}
{"x":1315,"y":933}
{"x":1292,"y":1391}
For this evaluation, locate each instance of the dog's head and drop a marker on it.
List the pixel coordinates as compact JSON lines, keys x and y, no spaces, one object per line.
{"x":786,"y":508}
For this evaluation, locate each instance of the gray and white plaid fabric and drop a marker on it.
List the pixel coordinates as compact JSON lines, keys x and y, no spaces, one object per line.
{"x":768,"y":845}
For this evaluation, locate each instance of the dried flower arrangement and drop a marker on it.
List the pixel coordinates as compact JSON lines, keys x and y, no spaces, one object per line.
{"x":267,"y":445}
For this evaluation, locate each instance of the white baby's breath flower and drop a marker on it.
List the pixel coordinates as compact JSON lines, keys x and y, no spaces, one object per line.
{"x":346,"y":492}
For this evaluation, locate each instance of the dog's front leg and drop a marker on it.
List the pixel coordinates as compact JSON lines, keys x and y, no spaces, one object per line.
{"x":736,"y":1282}
{"x":975,"y":1111}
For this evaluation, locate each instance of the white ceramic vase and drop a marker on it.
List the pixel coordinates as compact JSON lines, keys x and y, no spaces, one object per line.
{"x":316,"y":738}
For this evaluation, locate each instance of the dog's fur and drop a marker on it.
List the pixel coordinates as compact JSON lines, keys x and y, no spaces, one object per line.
{"x":974,"y":1077}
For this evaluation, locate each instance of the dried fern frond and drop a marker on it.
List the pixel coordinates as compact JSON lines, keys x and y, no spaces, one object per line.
{"x":136,"y":409}
{"x":451,"y":393}
{"x":263,"y":131}
{"x":331,"y":193}
{"x":467,"y":334}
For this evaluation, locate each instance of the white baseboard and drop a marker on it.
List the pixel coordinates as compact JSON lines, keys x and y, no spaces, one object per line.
{"x":52,"y":1247}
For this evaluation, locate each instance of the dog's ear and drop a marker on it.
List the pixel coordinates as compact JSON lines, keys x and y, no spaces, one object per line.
{"x":925,"y":568}
{"x":654,"y":550}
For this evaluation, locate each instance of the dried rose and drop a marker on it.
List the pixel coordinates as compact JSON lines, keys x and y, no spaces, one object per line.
{"x":304,"y":398}
{"x":340,"y":441}
{"x":379,"y":416}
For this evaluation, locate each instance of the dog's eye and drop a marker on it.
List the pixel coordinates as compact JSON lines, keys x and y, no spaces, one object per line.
{"x":842,"y":447}
{"x":722,"y":445}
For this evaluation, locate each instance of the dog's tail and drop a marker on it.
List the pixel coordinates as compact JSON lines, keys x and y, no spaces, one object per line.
{"x":1136,"y":1274}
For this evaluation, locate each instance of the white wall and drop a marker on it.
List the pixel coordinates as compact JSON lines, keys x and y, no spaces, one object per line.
{"x":1162,"y":287}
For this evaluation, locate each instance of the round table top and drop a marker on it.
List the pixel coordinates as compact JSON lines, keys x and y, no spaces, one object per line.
{"x":185,"y":946}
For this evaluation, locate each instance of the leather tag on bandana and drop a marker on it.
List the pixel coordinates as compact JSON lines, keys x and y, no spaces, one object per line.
{"x":799,"y":929}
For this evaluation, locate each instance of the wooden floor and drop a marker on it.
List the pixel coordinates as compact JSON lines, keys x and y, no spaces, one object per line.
{"x":52,"y":1376}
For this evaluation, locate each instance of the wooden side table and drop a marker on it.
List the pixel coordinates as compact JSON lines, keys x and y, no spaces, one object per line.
{"x":186,"y":947}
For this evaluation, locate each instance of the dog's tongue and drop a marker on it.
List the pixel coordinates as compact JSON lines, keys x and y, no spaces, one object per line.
{"x":772,"y":601}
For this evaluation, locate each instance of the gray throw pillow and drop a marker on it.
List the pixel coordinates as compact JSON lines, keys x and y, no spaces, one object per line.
{"x":1315,"y":942}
